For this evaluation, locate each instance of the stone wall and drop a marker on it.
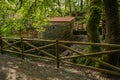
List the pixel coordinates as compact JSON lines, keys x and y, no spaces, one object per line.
{"x":60,"y":31}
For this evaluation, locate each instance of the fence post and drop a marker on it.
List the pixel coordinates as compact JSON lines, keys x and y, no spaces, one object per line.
{"x":1,"y":45}
{"x":57,"y":54}
{"x":22,"y":48}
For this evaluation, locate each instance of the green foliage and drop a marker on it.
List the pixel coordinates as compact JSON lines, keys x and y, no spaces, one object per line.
{"x":21,"y":14}
{"x":80,"y":60}
{"x":18,"y":15}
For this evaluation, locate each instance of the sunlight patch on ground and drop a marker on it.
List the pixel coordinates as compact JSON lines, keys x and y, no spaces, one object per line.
{"x":75,"y":71}
{"x":51,"y":78}
{"x":41,"y":65}
{"x":11,"y":73}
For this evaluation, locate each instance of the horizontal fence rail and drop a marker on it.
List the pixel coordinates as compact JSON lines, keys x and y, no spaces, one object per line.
{"x":25,"y":47}
{"x":67,"y":42}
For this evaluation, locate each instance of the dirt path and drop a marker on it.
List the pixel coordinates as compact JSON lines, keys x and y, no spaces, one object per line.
{"x":18,"y":69}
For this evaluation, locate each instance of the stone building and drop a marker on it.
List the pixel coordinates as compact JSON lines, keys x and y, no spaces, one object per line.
{"x":60,"y":28}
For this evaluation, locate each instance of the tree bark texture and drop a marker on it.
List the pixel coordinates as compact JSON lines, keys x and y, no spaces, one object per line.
{"x":112,"y":28}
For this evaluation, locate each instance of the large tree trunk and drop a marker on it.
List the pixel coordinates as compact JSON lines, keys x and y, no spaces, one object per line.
{"x":93,"y":20}
{"x":112,"y":28}
{"x":92,"y":27}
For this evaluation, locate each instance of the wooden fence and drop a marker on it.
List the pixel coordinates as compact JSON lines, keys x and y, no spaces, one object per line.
{"x":17,"y":46}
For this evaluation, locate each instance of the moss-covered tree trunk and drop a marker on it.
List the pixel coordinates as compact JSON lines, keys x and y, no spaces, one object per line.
{"x":112,"y":29}
{"x":92,"y":26}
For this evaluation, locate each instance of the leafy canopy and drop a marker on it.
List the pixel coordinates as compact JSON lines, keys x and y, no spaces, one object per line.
{"x":18,"y":15}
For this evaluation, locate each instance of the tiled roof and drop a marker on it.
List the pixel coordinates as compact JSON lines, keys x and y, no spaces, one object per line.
{"x":61,"y":19}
